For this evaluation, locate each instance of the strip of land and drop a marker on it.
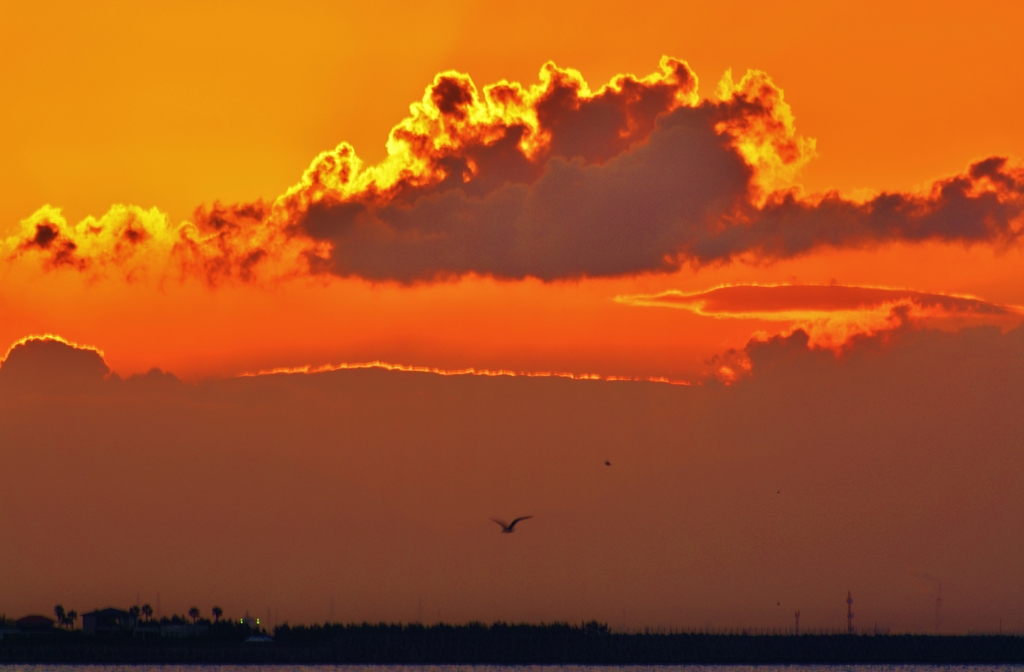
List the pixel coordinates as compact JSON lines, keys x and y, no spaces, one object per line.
{"x":504,"y":644}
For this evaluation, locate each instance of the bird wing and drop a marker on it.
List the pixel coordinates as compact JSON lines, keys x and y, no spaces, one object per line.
{"x":503,"y":524}
{"x":517,"y":520}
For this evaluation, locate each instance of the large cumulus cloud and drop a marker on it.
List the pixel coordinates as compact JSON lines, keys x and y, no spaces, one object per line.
{"x":552,"y":181}
{"x":627,"y":215}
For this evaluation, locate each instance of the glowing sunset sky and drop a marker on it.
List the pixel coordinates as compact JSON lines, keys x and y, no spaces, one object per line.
{"x":807,"y":219}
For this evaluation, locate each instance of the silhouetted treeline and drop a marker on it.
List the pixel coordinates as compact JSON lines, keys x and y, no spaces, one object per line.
{"x":517,"y":644}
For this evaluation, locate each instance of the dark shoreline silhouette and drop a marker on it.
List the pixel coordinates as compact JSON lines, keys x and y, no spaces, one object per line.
{"x":508,"y":644}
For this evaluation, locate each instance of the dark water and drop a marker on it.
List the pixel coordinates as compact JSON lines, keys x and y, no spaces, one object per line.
{"x":510,"y":668}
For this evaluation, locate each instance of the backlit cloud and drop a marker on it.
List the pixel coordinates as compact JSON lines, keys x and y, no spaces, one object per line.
{"x":48,"y":362}
{"x":551,"y":181}
{"x":487,"y":373}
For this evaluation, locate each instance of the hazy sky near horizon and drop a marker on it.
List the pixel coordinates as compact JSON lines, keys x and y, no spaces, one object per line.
{"x":883,"y":473}
{"x":764,"y":260}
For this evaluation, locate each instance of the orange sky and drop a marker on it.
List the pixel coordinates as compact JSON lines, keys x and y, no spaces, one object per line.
{"x":180,"y":106}
{"x":184,"y":104}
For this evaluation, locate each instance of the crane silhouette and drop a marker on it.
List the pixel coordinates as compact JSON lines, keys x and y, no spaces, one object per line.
{"x":508,"y":528}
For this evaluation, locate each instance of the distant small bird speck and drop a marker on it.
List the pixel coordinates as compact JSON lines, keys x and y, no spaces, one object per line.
{"x":778,"y":604}
{"x":507,"y":528}
{"x":607,"y":463}
{"x":778,"y":492}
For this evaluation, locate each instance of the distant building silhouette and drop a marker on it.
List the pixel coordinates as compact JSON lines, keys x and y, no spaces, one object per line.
{"x":107,"y":621}
{"x":35,"y":623}
{"x":183,"y":630}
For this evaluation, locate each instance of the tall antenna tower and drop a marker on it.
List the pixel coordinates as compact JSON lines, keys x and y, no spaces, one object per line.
{"x":797,"y":614}
{"x":938,"y":607}
{"x":849,"y":612}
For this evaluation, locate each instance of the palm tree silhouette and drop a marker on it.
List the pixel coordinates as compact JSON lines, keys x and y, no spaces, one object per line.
{"x":193,"y":614}
{"x":217,"y":613}
{"x":60,"y":614}
{"x":72,"y":617}
{"x":147,"y":611}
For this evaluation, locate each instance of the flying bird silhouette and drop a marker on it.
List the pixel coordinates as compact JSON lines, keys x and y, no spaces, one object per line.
{"x":607,"y":463}
{"x":507,"y":528}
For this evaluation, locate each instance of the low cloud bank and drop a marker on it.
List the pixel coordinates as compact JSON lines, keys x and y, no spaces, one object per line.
{"x":51,"y":363}
{"x":733,"y":506}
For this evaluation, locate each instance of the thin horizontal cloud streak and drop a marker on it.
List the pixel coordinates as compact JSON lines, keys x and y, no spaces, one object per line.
{"x":833,"y":316}
{"x":779,"y":301}
{"x":552,"y":181}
